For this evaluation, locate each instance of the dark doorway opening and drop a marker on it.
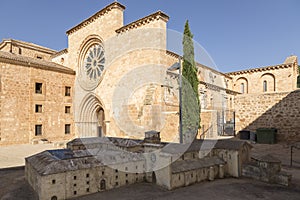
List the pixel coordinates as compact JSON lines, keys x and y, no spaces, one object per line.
{"x":153,"y":177}
{"x":103,"y":185}
{"x":101,"y":123}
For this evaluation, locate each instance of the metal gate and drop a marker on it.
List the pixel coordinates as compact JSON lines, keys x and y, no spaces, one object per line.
{"x":220,"y":123}
{"x":226,"y":123}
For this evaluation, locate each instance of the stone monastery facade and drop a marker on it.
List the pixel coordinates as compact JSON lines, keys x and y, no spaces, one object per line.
{"x":113,"y":80}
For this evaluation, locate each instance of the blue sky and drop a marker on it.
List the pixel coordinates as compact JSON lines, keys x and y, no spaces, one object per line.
{"x":238,"y":34}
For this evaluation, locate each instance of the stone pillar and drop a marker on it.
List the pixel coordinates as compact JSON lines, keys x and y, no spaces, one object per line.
{"x":106,"y":127}
{"x":211,"y":175}
{"x":221,"y":171}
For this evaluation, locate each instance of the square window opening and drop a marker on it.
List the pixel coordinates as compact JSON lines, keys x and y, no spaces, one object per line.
{"x":38,"y":129}
{"x":68,"y":109}
{"x":67,"y":91}
{"x":67,"y":128}
{"x":38,"y":88}
{"x":38,"y":108}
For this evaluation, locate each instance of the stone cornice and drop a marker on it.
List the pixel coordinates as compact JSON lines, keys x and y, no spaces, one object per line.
{"x":218,"y":88}
{"x":64,"y":51}
{"x":143,"y":21}
{"x":171,"y":53}
{"x":261,"y":69}
{"x":27,"y":45}
{"x":11,"y":58}
{"x":95,"y":16}
{"x":175,"y":55}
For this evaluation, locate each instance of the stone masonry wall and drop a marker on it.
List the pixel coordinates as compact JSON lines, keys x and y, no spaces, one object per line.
{"x":18,"y":100}
{"x":26,"y":51}
{"x":273,"y":110}
{"x":278,"y":80}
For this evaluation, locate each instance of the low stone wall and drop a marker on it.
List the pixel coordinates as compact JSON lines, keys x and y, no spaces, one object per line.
{"x":270,"y":110}
{"x":266,"y":169}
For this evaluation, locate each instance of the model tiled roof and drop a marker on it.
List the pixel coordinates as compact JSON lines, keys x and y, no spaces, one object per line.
{"x":188,"y":165}
{"x":91,"y":140}
{"x":123,"y":142}
{"x":203,"y":145}
{"x":95,"y":16}
{"x":143,"y":21}
{"x":7,"y":57}
{"x":266,"y":158}
{"x":62,"y":160}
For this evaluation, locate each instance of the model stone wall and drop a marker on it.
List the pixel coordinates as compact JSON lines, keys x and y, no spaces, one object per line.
{"x":84,"y":181}
{"x":274,"y":110}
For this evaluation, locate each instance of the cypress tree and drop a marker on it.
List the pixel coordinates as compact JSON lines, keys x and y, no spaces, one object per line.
{"x":190,"y":95}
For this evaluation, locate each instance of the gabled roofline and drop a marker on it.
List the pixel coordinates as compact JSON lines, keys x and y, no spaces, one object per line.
{"x":28,"y":45}
{"x":95,"y":16}
{"x":143,"y":21}
{"x":60,"y":53}
{"x":16,"y":59}
{"x":198,"y":64}
{"x":281,"y":66}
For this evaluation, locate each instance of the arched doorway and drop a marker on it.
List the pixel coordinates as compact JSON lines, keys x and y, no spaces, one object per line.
{"x":153,"y":178}
{"x":102,"y":185}
{"x":54,"y":198}
{"x":91,"y":122}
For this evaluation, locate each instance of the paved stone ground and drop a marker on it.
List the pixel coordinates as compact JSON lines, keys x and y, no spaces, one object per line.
{"x":13,"y":185}
{"x":229,"y":189}
{"x":14,"y":155}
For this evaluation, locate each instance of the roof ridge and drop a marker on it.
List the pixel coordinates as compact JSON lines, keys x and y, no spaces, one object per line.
{"x":171,"y":53}
{"x":52,"y":51}
{"x":283,"y":65}
{"x":144,"y":20}
{"x":95,"y":16}
{"x":59,"y":53}
{"x":33,"y":62}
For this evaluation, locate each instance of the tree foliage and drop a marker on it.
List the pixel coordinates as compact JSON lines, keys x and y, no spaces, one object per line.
{"x":190,"y":82}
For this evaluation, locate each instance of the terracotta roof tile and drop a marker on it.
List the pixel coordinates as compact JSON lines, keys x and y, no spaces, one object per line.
{"x":33,"y":62}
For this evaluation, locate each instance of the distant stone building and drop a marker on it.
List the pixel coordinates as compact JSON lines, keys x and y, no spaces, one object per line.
{"x":93,"y":165}
{"x":113,"y":80}
{"x":268,"y":99}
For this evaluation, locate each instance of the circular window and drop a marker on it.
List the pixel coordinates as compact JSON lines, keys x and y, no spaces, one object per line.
{"x":92,"y":67}
{"x":94,"y":62}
